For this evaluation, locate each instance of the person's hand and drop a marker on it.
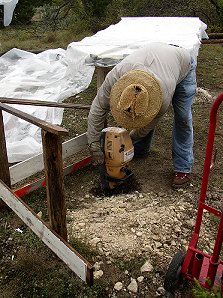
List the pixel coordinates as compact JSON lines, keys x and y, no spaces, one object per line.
{"x":97,"y":154}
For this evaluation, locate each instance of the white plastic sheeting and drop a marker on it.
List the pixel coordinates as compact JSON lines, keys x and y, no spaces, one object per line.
{"x":9,"y":6}
{"x":54,"y":75}
{"x":109,"y":46}
{"x":44,"y":76}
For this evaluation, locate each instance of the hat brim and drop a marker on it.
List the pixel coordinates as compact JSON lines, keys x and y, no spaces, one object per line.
{"x":154,"y":90}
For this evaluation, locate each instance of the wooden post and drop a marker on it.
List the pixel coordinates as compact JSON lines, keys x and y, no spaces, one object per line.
{"x":52,"y":153}
{"x":4,"y":166}
{"x":1,"y":16}
{"x":101,"y":74}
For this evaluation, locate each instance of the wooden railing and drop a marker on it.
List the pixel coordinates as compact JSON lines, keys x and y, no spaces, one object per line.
{"x":54,"y":236}
{"x":52,"y":152}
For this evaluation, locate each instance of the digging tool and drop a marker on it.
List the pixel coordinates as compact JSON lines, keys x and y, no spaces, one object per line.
{"x":118,"y":150}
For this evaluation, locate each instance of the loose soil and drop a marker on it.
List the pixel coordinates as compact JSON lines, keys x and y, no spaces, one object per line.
{"x":151,"y":223}
{"x":129,"y":237}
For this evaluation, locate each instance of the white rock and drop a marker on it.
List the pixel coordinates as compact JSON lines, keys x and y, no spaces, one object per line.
{"x":94,"y":241}
{"x":161,"y":290}
{"x":158,"y":244}
{"x":147,"y":267}
{"x":133,"y":286}
{"x":140,"y":278}
{"x":190,"y":222}
{"x":177,"y":230}
{"x":39,"y":214}
{"x":98,"y":274}
{"x":97,"y":266}
{"x":118,"y":286}
{"x":19,"y":230}
{"x":142,"y":223}
{"x":81,"y":224}
{"x":173,"y":243}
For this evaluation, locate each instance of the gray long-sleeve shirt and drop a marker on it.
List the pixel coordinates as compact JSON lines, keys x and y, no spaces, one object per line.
{"x":169,"y":64}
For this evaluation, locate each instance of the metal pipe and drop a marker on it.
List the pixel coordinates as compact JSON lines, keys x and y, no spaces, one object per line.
{"x":208,"y":161}
{"x":196,"y":265}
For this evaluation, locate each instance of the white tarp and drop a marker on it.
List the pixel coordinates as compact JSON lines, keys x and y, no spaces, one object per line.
{"x":44,"y":76}
{"x":9,"y":6}
{"x":117,"y":41}
{"x":54,"y":75}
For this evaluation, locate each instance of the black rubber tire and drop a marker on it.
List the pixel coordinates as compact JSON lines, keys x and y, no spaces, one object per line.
{"x":172,"y":278}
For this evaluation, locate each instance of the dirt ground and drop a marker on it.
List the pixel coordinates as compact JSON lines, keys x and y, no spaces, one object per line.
{"x":130,"y":238}
{"x":148,"y":225}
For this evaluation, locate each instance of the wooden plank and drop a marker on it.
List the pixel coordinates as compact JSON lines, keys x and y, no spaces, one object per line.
{"x":4,"y":166}
{"x":60,"y":247}
{"x":35,"y":164}
{"x":53,"y":164}
{"x":36,"y":184}
{"x":43,"y":103}
{"x":75,"y":145}
{"x":212,"y":41}
{"x":56,"y":129}
{"x":217,"y":35}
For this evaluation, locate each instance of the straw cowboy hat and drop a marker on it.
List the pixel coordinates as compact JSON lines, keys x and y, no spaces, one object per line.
{"x":135,"y":99}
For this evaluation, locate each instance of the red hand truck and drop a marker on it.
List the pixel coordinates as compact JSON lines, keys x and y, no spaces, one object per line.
{"x":207,"y":269}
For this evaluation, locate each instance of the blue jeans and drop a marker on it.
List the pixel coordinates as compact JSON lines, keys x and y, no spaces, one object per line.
{"x":182,"y":136}
{"x":142,"y":145}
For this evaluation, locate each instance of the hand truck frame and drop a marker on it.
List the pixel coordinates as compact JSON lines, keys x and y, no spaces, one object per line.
{"x":207,"y":269}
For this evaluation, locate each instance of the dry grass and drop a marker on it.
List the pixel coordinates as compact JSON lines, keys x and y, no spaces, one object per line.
{"x":34,"y":37}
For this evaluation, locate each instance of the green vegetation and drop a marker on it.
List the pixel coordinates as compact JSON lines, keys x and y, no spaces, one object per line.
{"x":56,"y":23}
{"x":97,"y":14}
{"x":209,"y":70}
{"x":200,"y":292}
{"x":26,"y":9}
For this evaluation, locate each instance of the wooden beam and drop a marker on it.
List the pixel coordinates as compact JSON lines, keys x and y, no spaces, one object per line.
{"x":53,"y":164}
{"x":212,"y":41}
{"x":101,"y":74}
{"x":43,"y":103}
{"x":33,"y":165}
{"x":215,"y":35}
{"x":4,"y":166}
{"x":56,"y":129}
{"x":60,"y":247}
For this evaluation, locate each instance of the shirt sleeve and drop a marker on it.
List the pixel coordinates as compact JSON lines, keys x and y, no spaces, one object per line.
{"x":100,"y":107}
{"x":101,"y":103}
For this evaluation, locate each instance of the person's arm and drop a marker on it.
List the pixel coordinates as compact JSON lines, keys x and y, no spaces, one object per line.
{"x":101,"y":103}
{"x":98,"y":111}
{"x":97,"y":116}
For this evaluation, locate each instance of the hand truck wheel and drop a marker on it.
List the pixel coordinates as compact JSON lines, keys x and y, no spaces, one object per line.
{"x":172,"y":277}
